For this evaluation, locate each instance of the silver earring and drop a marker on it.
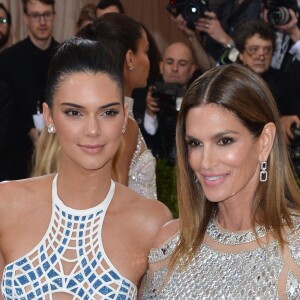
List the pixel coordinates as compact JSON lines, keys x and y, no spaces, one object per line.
{"x":51,"y":129}
{"x":263,"y":174}
{"x":196,"y":180}
{"x":123,"y":129}
{"x":131,"y":68}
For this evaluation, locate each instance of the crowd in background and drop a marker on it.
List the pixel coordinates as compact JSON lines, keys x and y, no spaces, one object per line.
{"x":189,"y":106}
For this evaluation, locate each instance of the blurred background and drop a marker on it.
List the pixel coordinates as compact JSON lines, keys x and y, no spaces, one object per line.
{"x":151,"y":13}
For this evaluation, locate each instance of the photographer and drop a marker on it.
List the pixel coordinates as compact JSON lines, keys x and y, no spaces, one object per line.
{"x":177,"y":67}
{"x":212,"y":32}
{"x":284,"y":17}
{"x":256,"y":42}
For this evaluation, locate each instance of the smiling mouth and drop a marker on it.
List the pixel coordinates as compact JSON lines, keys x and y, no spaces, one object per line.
{"x":213,"y":178}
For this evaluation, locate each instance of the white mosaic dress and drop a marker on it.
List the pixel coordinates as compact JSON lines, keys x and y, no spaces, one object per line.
{"x":142,"y":170}
{"x":229,"y":266}
{"x":70,"y":259}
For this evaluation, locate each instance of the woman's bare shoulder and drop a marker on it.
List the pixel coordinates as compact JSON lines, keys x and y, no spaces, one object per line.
{"x":168,"y":231}
{"x":18,"y":192}
{"x":151,"y":213}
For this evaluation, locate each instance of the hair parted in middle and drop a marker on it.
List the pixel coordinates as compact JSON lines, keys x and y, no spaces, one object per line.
{"x":239,"y":90}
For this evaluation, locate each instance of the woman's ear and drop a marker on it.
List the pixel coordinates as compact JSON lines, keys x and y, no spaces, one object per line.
{"x":47,"y":115}
{"x":267,"y":139}
{"x":129,"y":59}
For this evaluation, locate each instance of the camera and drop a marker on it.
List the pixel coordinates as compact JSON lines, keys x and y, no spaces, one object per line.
{"x":191,"y":10}
{"x":166,"y":94}
{"x":278,"y":10}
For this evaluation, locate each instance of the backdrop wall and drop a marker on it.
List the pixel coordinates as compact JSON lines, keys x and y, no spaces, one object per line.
{"x":151,"y":13}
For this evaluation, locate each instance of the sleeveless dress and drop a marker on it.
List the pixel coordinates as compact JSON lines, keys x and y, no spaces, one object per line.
{"x":72,"y":242}
{"x":229,"y":266}
{"x":142,"y":170}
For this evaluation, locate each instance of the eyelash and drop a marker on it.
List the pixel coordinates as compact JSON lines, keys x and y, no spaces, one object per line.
{"x":110,"y":113}
{"x":193,"y":143}
{"x":72,"y":112}
{"x":106,"y":113}
{"x":227,"y":140}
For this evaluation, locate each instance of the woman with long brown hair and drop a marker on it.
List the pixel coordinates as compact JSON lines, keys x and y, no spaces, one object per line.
{"x":239,"y":227}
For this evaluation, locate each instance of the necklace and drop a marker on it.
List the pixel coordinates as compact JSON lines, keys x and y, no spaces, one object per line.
{"x":233,"y":238}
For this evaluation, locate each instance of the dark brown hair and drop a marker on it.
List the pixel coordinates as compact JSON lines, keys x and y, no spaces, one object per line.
{"x":239,"y":90}
{"x":46,"y":2}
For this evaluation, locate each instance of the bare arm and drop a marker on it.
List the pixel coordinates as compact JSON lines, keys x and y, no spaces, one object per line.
{"x":2,"y":264}
{"x":158,"y":272}
{"x":204,"y":60}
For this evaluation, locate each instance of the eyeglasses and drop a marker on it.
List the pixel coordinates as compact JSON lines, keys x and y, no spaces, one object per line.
{"x":3,"y":21}
{"x":36,"y":17}
{"x":255,"y":51}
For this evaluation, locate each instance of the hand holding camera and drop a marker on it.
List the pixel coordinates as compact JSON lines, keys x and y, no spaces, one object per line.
{"x":212,"y":26}
{"x":152,"y":107}
{"x":288,"y":125}
{"x":191,"y":10}
{"x":280,"y":12}
{"x":165,"y":95}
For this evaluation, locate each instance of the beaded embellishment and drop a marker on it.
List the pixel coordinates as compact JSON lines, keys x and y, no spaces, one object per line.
{"x":233,"y":238}
{"x":249,"y":272}
{"x":142,"y":170}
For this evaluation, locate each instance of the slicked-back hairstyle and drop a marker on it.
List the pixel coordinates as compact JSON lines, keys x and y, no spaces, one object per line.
{"x":46,"y":2}
{"x":239,"y":90}
{"x":8,"y":15}
{"x":81,"y":55}
{"x":103,"y":4}
{"x":119,"y":33}
{"x":249,"y":29}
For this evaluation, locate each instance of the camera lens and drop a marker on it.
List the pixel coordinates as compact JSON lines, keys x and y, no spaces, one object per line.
{"x":279,"y":16}
{"x":191,"y":12}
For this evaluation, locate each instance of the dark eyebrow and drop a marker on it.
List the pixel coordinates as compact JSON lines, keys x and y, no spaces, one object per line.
{"x":217,"y":135}
{"x":80,"y":106}
{"x":220,"y":134}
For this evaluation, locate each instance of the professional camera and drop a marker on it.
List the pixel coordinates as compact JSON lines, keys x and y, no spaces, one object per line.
{"x":278,"y":10}
{"x":295,"y":148}
{"x":191,"y":10}
{"x":166,"y":94}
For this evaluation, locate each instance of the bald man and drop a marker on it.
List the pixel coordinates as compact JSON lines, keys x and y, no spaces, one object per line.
{"x":177,"y":66}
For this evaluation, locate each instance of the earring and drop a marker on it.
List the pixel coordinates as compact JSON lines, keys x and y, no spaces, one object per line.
{"x":51,"y":129}
{"x":124,"y":129}
{"x":196,"y":180}
{"x":131,"y":68}
{"x":263,"y":174}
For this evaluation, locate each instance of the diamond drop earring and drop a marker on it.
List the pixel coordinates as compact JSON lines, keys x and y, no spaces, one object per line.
{"x":51,"y":129}
{"x":263,"y":174}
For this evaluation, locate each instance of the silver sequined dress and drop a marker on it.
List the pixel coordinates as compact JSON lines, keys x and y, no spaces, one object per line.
{"x":142,"y":170}
{"x":229,"y":266}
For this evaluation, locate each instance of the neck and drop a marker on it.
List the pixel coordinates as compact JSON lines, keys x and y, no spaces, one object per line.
{"x":83,"y":189}
{"x":41,"y":44}
{"x":234,"y":218}
{"x":128,"y":91}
